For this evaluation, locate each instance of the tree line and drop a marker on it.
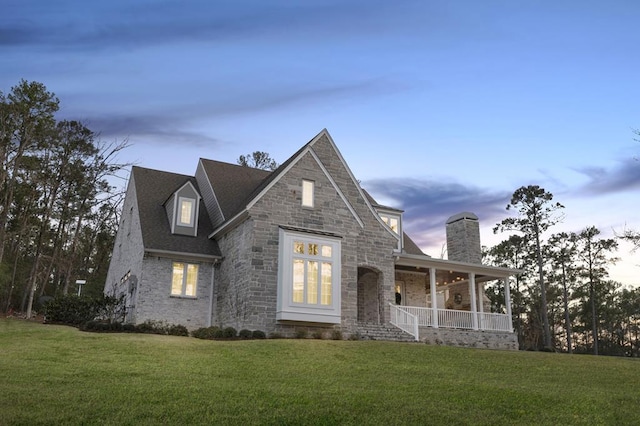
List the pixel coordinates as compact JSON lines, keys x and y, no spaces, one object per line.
{"x":58,"y":208}
{"x":563,"y":300}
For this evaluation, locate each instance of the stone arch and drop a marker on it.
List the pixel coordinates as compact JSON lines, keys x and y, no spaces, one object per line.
{"x":370,"y":295}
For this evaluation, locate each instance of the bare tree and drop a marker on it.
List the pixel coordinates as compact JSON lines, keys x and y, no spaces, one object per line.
{"x":258,"y":160}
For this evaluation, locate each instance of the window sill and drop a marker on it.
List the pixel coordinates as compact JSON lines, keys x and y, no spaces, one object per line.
{"x":178,"y":296}
{"x":308,"y":317}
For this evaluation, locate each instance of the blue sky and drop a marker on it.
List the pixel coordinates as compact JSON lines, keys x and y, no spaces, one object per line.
{"x":437,"y":106}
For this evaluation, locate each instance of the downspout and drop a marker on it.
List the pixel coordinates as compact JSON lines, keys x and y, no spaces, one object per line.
{"x":211,"y":293}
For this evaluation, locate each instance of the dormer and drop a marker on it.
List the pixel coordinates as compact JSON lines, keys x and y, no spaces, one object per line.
{"x":393,"y":219}
{"x":182,"y":209}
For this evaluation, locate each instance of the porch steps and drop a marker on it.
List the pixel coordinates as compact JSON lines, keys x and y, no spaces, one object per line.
{"x":369,"y":331}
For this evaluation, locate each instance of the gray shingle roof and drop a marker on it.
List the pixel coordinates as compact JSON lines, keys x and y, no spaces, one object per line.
{"x":153,"y":188}
{"x":233,"y":184}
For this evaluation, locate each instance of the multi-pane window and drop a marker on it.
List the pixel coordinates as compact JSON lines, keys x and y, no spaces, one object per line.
{"x":186,"y":211}
{"x":312,"y":273}
{"x":184,"y":280}
{"x":309,"y":278}
{"x":307,"y":193}
{"x":391,"y":221}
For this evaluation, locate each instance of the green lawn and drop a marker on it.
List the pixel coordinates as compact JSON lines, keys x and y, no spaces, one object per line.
{"x":59,"y":375}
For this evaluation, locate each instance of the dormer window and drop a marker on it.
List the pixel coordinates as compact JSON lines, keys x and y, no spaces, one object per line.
{"x":186,"y":211}
{"x":391,"y":221}
{"x":182,"y":209}
{"x":307,"y":193}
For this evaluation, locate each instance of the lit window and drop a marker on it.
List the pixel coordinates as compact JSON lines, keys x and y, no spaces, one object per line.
{"x":308,"y":272}
{"x":307,"y":193}
{"x":186,"y":211}
{"x":185,"y":279}
{"x":391,"y":221}
{"x":309,"y":278}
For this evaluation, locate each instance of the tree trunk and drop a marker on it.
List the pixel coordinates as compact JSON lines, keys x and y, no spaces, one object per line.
{"x":565,"y":299}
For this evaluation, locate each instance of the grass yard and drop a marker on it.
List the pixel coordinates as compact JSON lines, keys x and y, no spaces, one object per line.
{"x":59,"y":375}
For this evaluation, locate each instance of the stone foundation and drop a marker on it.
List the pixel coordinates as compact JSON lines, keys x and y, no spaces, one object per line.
{"x":469,"y":338}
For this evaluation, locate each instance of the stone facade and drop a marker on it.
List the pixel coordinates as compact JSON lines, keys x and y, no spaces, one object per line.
{"x":463,"y":238}
{"x":125,"y":269}
{"x":155,"y":302}
{"x":415,"y":288}
{"x":249,"y":272}
{"x":469,"y":338}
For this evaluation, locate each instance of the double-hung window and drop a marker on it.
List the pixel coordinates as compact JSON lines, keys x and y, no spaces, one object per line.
{"x":184,"y":282}
{"x":309,"y":278}
{"x":186,"y":211}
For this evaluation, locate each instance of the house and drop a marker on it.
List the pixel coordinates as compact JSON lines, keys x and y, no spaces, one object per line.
{"x":302,"y":247}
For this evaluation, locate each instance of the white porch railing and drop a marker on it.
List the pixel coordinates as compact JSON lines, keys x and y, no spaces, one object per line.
{"x":404,"y":320}
{"x":451,"y":318}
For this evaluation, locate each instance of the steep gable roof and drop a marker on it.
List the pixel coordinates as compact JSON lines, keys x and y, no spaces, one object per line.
{"x":233,"y":184}
{"x":153,"y":188}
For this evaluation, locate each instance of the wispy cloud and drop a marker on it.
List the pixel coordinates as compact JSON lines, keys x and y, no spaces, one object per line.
{"x":159,"y":129}
{"x":429,"y":203}
{"x":172,"y":125}
{"x":624,"y":177}
{"x":125,"y":24}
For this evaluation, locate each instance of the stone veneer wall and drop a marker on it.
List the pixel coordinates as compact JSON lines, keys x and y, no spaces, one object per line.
{"x":415,"y":288}
{"x":469,"y":338}
{"x":154,"y":300}
{"x":255,"y":276}
{"x":234,"y":299}
{"x":463,"y":238}
{"x":128,"y":253}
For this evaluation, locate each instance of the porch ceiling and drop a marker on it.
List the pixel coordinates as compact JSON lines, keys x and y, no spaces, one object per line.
{"x":448,"y":271}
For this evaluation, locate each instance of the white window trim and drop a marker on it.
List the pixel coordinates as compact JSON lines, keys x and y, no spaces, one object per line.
{"x":179,"y":221}
{"x":398,"y":234}
{"x":308,"y":185}
{"x":184,"y":280}
{"x":287,"y":310}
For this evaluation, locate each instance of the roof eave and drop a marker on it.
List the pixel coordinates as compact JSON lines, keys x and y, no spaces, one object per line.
{"x":172,"y":253}
{"x":415,"y":260}
{"x":230,"y":224}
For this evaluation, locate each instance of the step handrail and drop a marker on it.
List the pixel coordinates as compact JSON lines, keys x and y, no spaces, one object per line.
{"x":405,"y":321}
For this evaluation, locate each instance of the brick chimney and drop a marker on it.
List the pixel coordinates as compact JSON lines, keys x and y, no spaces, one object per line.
{"x":463,"y":238}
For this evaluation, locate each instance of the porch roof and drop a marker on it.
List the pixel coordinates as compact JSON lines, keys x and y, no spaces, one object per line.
{"x":448,"y":270}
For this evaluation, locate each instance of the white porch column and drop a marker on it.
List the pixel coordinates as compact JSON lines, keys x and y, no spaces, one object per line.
{"x":472,"y":294}
{"x":507,"y":302}
{"x":434,"y":297}
{"x":481,"y":305}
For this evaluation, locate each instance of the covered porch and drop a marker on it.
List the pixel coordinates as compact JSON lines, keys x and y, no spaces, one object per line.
{"x":446,"y":294}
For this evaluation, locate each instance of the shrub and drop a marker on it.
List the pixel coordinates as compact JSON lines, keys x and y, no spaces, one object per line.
{"x":275,"y":335}
{"x":245,"y":334}
{"x":318,"y":335}
{"x":336,"y":335}
{"x":102,"y":327}
{"x":301,"y":334}
{"x":128,"y":328}
{"x":115,"y":326}
{"x":229,"y":332}
{"x":76,"y":310}
{"x":205,"y":332}
{"x":152,"y":327}
{"x":70,"y":309}
{"x":218,"y":334}
{"x":258,"y":334}
{"x":177,"y":330}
